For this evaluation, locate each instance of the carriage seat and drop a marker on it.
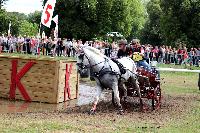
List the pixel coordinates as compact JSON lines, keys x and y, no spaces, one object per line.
{"x":121,"y":67}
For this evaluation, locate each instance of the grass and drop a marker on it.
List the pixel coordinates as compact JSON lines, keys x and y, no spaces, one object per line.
{"x":189,"y":124}
{"x":180,"y":83}
{"x":39,"y":126}
{"x":178,"y":66}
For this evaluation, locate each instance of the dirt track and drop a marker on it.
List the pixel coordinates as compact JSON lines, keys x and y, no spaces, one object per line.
{"x":173,"y":107}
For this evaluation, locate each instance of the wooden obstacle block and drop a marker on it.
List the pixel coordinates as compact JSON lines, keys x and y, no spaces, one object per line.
{"x":37,"y":80}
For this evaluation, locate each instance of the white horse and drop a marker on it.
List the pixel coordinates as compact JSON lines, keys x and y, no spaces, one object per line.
{"x":107,"y":73}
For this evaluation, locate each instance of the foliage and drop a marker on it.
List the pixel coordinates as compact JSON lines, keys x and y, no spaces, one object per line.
{"x":28,"y":29}
{"x":3,"y":22}
{"x":35,"y":17}
{"x":21,"y":24}
{"x":151,"y":32}
{"x":172,"y":22}
{"x":139,"y":17}
{"x":183,"y":18}
{"x":15,"y":18}
{"x":2,"y":2}
{"x":6,"y":18}
{"x":87,"y":19}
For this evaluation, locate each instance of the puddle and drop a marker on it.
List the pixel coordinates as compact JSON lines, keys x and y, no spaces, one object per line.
{"x":86,"y":96}
{"x":7,"y":106}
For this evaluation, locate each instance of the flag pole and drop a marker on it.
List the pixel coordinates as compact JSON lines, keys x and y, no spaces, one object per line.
{"x":9,"y":28}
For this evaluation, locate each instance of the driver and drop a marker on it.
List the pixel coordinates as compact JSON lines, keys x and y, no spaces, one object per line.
{"x":138,"y":55}
{"x":123,"y":49}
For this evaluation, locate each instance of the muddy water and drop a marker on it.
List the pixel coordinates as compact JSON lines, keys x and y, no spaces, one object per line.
{"x":86,"y":96}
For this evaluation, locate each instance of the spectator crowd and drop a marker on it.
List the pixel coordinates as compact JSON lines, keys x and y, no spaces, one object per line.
{"x":64,"y":47}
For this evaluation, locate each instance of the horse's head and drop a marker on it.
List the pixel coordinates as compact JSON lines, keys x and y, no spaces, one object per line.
{"x":82,"y":63}
{"x":82,"y":60}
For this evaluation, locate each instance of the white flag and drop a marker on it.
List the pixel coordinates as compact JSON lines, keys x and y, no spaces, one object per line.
{"x":55,"y":19}
{"x":9,"y":28}
{"x":47,"y":13}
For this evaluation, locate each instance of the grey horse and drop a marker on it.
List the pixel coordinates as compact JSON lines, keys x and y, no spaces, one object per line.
{"x":107,"y":73}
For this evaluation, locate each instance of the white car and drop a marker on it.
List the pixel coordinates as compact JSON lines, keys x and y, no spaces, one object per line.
{"x":112,"y":34}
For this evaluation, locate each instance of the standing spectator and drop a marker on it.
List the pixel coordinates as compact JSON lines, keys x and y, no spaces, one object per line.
{"x":69,"y":47}
{"x":196,"y":57}
{"x":151,"y":53}
{"x":48,"y":46}
{"x":107,"y":49}
{"x":155,"y":53}
{"x":1,"y":44}
{"x":5,"y":44}
{"x":175,"y":61}
{"x":160,"y":54}
{"x":21,"y":43}
{"x":59,"y":47}
{"x":191,"y":56}
{"x":65,"y":46}
{"x":166,"y":54}
{"x":28,"y":45}
{"x":54,"y":46}
{"x":179,"y":54}
{"x":147,"y":53}
{"x":170,"y":54}
{"x":185,"y":57}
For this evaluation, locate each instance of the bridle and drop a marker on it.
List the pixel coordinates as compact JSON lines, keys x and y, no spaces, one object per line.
{"x":82,"y":66}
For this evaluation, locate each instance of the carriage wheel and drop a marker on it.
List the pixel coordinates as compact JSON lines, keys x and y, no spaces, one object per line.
{"x":156,"y":101}
{"x":121,"y":94}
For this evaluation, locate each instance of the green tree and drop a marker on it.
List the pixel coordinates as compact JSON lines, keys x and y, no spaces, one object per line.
{"x":2,"y":2}
{"x":183,"y":18}
{"x":3,"y":22}
{"x":151,"y":32}
{"x":6,"y":18}
{"x":103,"y":12}
{"x":15,"y":18}
{"x":86,"y":19}
{"x":28,"y":29}
{"x":138,"y":17}
{"x":35,"y":17}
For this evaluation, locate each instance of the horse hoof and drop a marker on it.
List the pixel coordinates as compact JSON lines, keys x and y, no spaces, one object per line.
{"x":143,"y":108}
{"x":91,"y":112}
{"x":120,"y":112}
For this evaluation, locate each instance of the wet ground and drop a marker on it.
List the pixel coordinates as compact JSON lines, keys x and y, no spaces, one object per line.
{"x":86,"y":96}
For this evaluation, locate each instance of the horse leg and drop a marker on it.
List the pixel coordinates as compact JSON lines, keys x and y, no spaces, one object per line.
{"x":117,"y":99}
{"x":99,"y":91}
{"x":123,"y":87}
{"x":136,"y":85}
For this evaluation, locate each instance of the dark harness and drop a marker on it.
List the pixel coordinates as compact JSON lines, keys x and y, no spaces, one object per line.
{"x":121,"y":67}
{"x":103,"y":70}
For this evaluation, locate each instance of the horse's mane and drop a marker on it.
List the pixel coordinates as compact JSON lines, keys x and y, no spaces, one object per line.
{"x":95,"y":51}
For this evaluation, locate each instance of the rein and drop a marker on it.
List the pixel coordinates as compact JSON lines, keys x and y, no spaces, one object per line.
{"x":89,"y":66}
{"x":101,"y":72}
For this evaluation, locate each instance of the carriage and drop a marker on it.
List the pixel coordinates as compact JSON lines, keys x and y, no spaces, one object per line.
{"x":149,"y":86}
{"x":149,"y":83}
